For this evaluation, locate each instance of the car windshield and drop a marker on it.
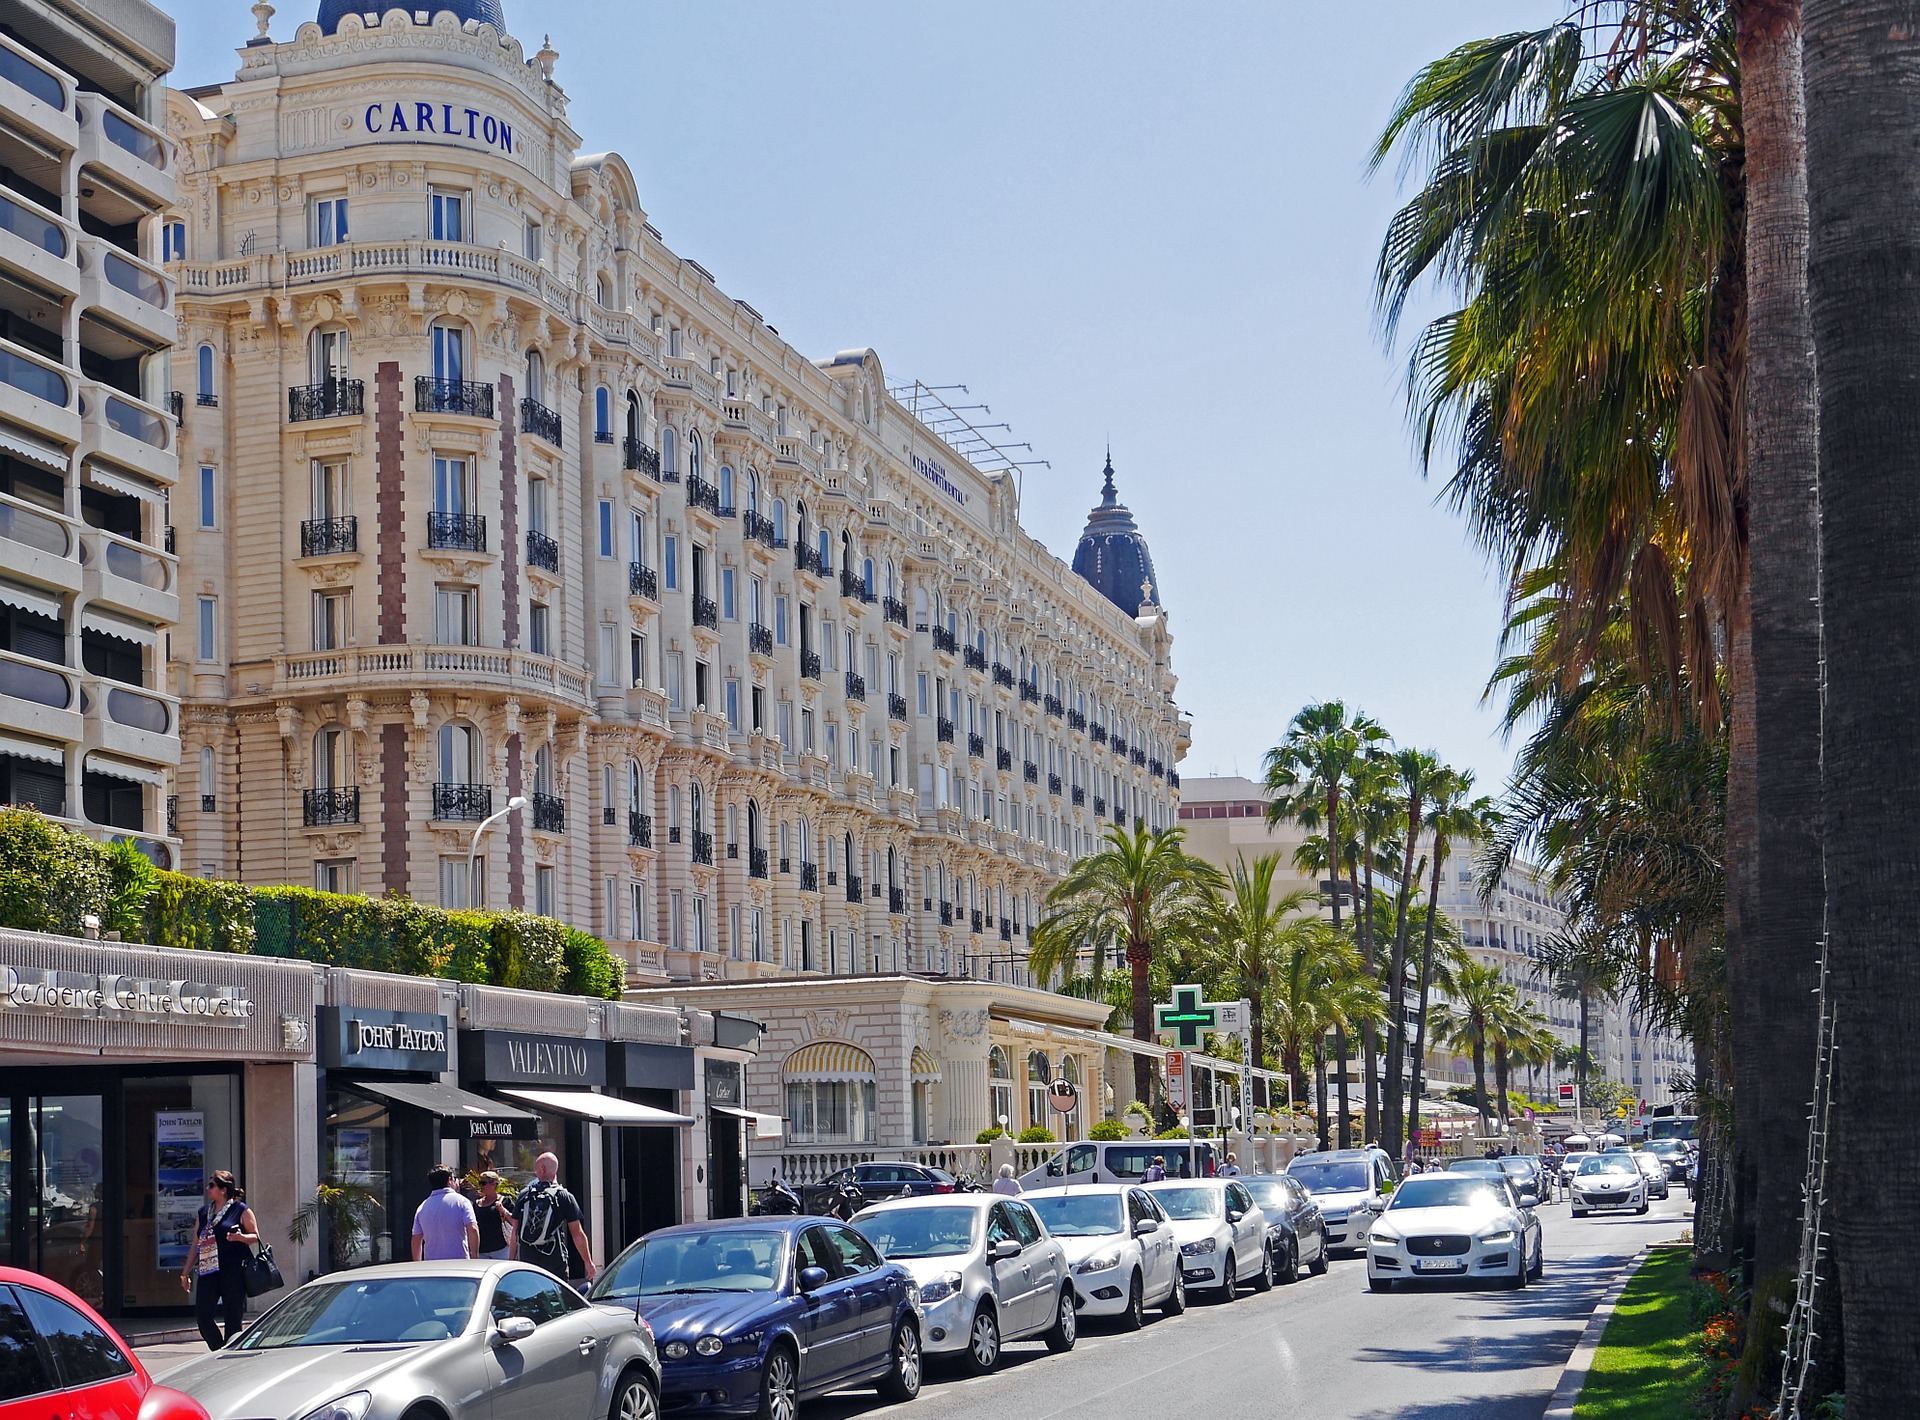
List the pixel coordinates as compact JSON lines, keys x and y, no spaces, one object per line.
{"x":1667,"y":1148}
{"x":1447,"y":1191}
{"x":1080,"y":1215}
{"x":1330,"y":1177}
{"x":1189,"y":1202}
{"x":372,"y":1311}
{"x":724,"y":1260}
{"x":1269,"y":1193}
{"x":1607,"y":1163}
{"x":1519,"y":1165}
{"x":1474,"y":1166}
{"x":920,"y":1232}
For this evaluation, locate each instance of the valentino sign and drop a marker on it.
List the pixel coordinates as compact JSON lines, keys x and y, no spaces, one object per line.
{"x":125,"y":997}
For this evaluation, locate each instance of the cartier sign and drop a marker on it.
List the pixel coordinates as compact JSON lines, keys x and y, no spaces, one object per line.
{"x":509,"y":1057}
{"x":114,"y":997}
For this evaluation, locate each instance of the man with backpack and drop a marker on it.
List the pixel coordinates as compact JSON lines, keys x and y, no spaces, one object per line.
{"x":547,"y":1229}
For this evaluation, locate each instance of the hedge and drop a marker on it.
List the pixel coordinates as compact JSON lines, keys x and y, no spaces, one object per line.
{"x":52,"y":877}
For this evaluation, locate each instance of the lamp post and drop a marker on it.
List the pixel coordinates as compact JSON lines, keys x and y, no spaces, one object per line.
{"x":514,"y":804}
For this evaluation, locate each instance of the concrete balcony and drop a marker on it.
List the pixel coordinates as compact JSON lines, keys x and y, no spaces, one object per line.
{"x":128,"y":577}
{"x":39,"y":699}
{"x":128,"y":432}
{"x":40,"y":545}
{"x":39,"y":245}
{"x":136,"y":724}
{"x":126,"y":291}
{"x":131,"y":152}
{"x":463,"y":668}
{"x":36,"y":98}
{"x":39,"y":394}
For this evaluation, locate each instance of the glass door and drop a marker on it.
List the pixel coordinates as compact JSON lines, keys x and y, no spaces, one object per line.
{"x":65,"y":1191}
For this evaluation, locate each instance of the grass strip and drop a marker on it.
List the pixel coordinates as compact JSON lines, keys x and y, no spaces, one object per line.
{"x":1647,"y":1366}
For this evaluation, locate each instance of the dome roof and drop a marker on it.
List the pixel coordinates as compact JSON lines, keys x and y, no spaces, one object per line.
{"x":1112,"y":554}
{"x":484,"y":12}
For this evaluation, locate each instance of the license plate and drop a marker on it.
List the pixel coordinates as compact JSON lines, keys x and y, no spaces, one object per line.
{"x":1438,"y":1264}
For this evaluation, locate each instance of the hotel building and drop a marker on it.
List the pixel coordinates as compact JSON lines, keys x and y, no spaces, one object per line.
{"x":491,"y":496}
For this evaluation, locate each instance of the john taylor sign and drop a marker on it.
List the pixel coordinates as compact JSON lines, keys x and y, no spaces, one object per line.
{"x":359,"y":1038}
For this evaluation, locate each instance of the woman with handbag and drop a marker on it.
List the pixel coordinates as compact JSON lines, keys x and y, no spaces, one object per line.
{"x":216,"y":1270}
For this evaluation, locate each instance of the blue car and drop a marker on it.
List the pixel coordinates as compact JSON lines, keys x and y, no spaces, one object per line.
{"x":754,"y":1315}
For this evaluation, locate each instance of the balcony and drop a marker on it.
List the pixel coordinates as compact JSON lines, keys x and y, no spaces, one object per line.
{"x":464,"y":397}
{"x":1079,"y":796}
{"x":853,"y":588}
{"x":543,"y":552}
{"x":894,"y":610}
{"x":945,"y":641}
{"x":1053,"y":785}
{"x":943,"y":730}
{"x":329,"y":537}
{"x":127,"y":432}
{"x":1002,"y":676}
{"x":1173,"y":778}
{"x":1075,"y":720}
{"x":853,"y":887}
{"x":702,"y":494}
{"x":543,"y":423}
{"x":1138,"y":758}
{"x":177,"y":406}
{"x":39,"y":243}
{"x":703,"y":848}
{"x":757,"y":528}
{"x":1119,"y":747}
{"x":642,"y":581}
{"x":809,"y":877}
{"x":976,"y":746}
{"x":462,"y":803}
{"x":32,"y":92}
{"x":330,"y":399}
{"x":128,"y":292}
{"x":809,"y":665}
{"x":756,"y":862}
{"x":1156,"y":769}
{"x":1003,"y":759}
{"x":640,"y":458}
{"x":1029,"y":693}
{"x":38,"y":392}
{"x":39,"y":698}
{"x":1097,"y":733}
{"x":706,"y":612}
{"x":40,"y":543}
{"x":639,"y":829}
{"x":974,"y":660}
{"x":1030,"y":772}
{"x":466,"y":532}
{"x":807,"y":559}
{"x":1053,"y":706}
{"x":856,"y":687}
{"x":329,"y":808}
{"x":896,"y":901}
{"x":897,"y":707}
{"x":131,"y":152}
{"x":1006,"y":930}
{"x":127,"y":575}
{"x":549,"y":813}
{"x":946,"y":914}
{"x":403,"y":667}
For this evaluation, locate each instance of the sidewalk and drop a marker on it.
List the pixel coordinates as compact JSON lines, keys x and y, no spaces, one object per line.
{"x":159,"y":1357}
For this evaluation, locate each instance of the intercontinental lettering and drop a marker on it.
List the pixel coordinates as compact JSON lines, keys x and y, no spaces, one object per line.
{"x":549,"y":1058}
{"x":937,"y":476}
{"x":72,"y":993}
{"x":444,"y":120}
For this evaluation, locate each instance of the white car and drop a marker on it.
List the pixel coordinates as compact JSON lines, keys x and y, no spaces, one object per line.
{"x":1455,"y":1225}
{"x":988,"y":1272}
{"x":1351,"y":1186}
{"x":1221,"y":1231}
{"x":1570,"y":1164}
{"x":1120,"y":1249}
{"x":1608,"y":1183}
{"x":1653,"y":1168}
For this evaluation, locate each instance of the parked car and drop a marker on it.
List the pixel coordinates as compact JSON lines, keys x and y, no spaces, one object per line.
{"x":1120,"y":1247}
{"x":1455,"y":1224}
{"x":875,"y":1182}
{"x":1286,"y":1201}
{"x":754,"y":1315}
{"x":988,"y":1273}
{"x":58,"y":1357}
{"x":1221,"y":1231}
{"x":1529,"y":1173}
{"x":1123,"y":1161}
{"x":1608,"y":1182}
{"x":379,"y":1343}
{"x":1654,"y":1170}
{"x":1351,"y":1186}
{"x":1674,"y":1153}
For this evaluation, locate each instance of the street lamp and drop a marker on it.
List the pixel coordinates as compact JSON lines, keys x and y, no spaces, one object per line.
{"x":473,"y":852}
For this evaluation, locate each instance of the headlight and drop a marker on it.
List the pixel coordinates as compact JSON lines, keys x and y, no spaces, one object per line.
{"x":940,"y":1288}
{"x":1197,"y":1249}
{"x":674,"y":1350}
{"x":1099,"y":1262}
{"x":708,"y":1345}
{"x":347,"y":1407}
{"x":1380,"y":1239}
{"x":1503,"y":1238}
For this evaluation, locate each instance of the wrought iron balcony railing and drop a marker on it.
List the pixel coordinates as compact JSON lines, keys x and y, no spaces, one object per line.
{"x":760,"y":639}
{"x":1029,"y":693}
{"x":1075,"y":720}
{"x":976,"y":923}
{"x":639,"y":830}
{"x":853,"y":887}
{"x":1030,"y":772}
{"x":330,"y":399}
{"x":974,"y":659}
{"x":758,"y":527}
{"x":807,"y":559}
{"x":327,"y":537}
{"x":894,"y":610}
{"x":702,"y":494}
{"x":1002,"y":676}
{"x":469,"y":397}
{"x":856,"y":686}
{"x":465,"y":531}
{"x":943,"y":731}
{"x":896,"y":707}
{"x":643,"y":581}
{"x":896,"y":901}
{"x":1079,"y":796}
{"x":756,"y":862}
{"x":549,"y":813}
{"x":541,"y":422}
{"x":322,"y":808}
{"x":977,"y":746}
{"x":462,"y":803}
{"x":809,"y":877}
{"x":543,"y":552}
{"x":641,"y":458}
{"x":703,"y":848}
{"x":1053,"y":706}
{"x":945,"y":640}
{"x":1003,"y":759}
{"x":706,"y":612}
{"x":1053,"y":785}
{"x":809,"y":665}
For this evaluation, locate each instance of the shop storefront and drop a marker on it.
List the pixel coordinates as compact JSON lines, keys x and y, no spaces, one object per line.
{"x":643,"y":1161}
{"x":127,"y":1076}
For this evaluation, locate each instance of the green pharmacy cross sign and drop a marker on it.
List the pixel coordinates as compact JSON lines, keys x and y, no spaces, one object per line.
{"x":1189,"y":1018}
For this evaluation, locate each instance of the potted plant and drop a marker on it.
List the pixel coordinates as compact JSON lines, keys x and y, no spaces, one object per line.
{"x":1139,"y":1117}
{"x":350,"y":1211}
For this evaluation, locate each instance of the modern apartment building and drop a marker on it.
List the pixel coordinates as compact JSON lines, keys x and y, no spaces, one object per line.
{"x":493,"y":496}
{"x":88,"y":732}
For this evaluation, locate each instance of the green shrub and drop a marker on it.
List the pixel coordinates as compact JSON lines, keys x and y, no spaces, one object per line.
{"x":1108,"y":1129}
{"x":131,"y":877}
{"x":987,"y":1136}
{"x":50,"y":877}
{"x":1179,"y":1131}
{"x":199,"y":915}
{"x":1037,"y":1134}
{"x":591,"y":969}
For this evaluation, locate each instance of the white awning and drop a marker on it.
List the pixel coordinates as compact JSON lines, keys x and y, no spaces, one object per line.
{"x":25,"y":598}
{"x":603,"y":1109}
{"x":765,"y":1126}
{"x":113,"y":481}
{"x":33,"y":448}
{"x":20,"y":747}
{"x":126,"y":769}
{"x":118,"y":627}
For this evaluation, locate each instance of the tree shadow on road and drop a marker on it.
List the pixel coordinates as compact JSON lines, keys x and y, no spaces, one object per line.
{"x":1501,"y":1407}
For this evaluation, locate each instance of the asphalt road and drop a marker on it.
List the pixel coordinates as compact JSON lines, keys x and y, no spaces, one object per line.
{"x":1325,"y":1348}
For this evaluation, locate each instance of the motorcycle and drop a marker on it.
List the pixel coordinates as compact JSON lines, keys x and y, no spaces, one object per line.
{"x":776,"y":1200}
{"x":842,"y":1201}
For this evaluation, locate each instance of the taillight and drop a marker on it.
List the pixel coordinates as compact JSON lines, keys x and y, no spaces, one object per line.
{"x":943,"y":1188}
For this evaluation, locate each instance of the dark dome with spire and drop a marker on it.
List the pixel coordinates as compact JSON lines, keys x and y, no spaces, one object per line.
{"x":1113,"y":555}
{"x":484,"y":12}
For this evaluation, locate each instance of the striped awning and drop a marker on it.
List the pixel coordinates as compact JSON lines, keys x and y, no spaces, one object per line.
{"x":925,"y":1068}
{"x":26,"y":747}
{"x":828,"y":1060}
{"x":32,"y":447}
{"x":125,"y":769}
{"x":111,"y":480}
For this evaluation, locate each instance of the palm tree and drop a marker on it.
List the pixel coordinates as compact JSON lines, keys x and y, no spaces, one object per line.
{"x":1582,"y":976}
{"x":1143,"y":890}
{"x":1442,"y":959}
{"x":1318,"y":984}
{"x":1245,"y":937}
{"x":1515,"y":1033}
{"x":1416,"y":775}
{"x":1377,"y":817}
{"x":1467,"y":1022}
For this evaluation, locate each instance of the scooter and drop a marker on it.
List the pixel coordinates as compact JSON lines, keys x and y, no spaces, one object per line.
{"x":776,"y":1200}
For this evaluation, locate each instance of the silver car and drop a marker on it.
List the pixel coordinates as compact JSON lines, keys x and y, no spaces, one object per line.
{"x":456,"y":1338}
{"x":989,"y":1273}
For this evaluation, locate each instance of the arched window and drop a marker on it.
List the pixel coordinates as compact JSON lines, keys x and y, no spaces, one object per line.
{"x":800,"y":533}
{"x":851,"y":863}
{"x":696,"y":809}
{"x":1000,"y":1087}
{"x":330,"y":758}
{"x":806,"y":842}
{"x":694,"y":464}
{"x":449,"y":352}
{"x":634,"y":420}
{"x":753,"y":824}
{"x":669,"y":452}
{"x":826,"y":553}
{"x":919,"y":607}
{"x":753,"y":493}
{"x":207,"y":392}
{"x":603,"y":290}
{"x":1039,"y":1076}
{"x":634,"y":804}
{"x":893,"y":881}
{"x":459,"y":753}
{"x":209,"y":773}
{"x":866,"y":577}
{"x":726,"y":487}
{"x":780,"y":520}
{"x":602,"y":415}
{"x":673,"y":813}
{"x":846,"y":550}
{"x":536,"y":377}
{"x":543,"y":770}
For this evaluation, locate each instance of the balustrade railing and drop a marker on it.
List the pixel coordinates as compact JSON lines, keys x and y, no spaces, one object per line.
{"x":437,"y":396}
{"x":330,"y":399}
{"x":329,"y":537}
{"x":323,"y":808}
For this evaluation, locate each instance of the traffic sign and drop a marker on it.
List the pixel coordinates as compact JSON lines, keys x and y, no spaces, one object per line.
{"x":1177,"y":1080}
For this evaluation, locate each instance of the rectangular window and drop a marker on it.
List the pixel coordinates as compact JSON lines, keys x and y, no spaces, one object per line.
{"x":759,"y":703}
{"x":833,"y":743}
{"x":670,"y":562}
{"x":458,"y":890}
{"x":728,"y":609}
{"x":779,"y":621}
{"x":636,"y":537}
{"x":920,"y":682}
{"x":330,"y":487}
{"x":786,"y":726}
{"x":333,"y":875}
{"x":636,"y":659}
{"x":545,"y":882}
{"x":329,"y":224}
{"x":733,"y":706}
{"x":756,"y":601}
{"x":606,"y":528}
{"x":609,"y":656}
{"x":173,"y":242}
{"x":806,"y":731}
{"x":537,"y":630}
{"x":676,"y":690}
{"x":537,"y":505}
{"x":534,"y":243}
{"x":829,"y":656}
{"x":447,"y":213}
{"x":332,"y":620}
{"x":452,"y":485}
{"x":206,"y":497}
{"x":204,"y":647}
{"x":455,"y":622}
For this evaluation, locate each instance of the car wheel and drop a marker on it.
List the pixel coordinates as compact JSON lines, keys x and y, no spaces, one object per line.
{"x":1289,"y":1272}
{"x":1579,"y":1212}
{"x":1642,"y":1208}
{"x":1176,"y":1301}
{"x":1229,"y":1284}
{"x":1318,"y":1267}
{"x":983,"y":1341}
{"x":634,"y":1399}
{"x":1066,"y":1322}
{"x":1519,"y":1278}
{"x":1135,"y":1316}
{"x":1263,"y":1279}
{"x":902,"y":1380}
{"x":779,"y":1398}
{"x":1380,"y":1284}
{"x":1540,"y":1260}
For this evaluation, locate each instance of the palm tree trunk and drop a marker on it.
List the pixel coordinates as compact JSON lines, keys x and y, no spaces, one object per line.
{"x":1397,"y":988}
{"x":1369,"y":1032}
{"x":1500,"y":1078}
{"x":1340,"y":1034}
{"x":1257,"y":1041}
{"x":1580,"y":1065}
{"x":1139,"y":968}
{"x":1418,"y":1089}
{"x":1862,"y":78}
{"x":1320,"y":1088}
{"x":1342,"y":1058}
{"x":1480,"y":1082}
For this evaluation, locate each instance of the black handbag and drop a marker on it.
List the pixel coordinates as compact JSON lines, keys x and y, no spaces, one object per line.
{"x":263,"y":1273}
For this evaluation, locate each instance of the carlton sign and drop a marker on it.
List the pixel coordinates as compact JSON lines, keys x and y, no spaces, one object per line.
{"x":72,"y":993}
{"x":417,"y":118}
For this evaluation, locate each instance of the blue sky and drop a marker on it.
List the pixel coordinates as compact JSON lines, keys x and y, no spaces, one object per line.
{"x":1143,"y":223}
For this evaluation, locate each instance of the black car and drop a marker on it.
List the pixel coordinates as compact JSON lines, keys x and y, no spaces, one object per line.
{"x":1530,"y":1175}
{"x":876,"y":1183}
{"x":1285,"y":1202}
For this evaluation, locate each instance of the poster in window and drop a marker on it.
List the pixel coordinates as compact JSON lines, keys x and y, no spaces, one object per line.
{"x":180,"y":1182}
{"x":355,"y":1160}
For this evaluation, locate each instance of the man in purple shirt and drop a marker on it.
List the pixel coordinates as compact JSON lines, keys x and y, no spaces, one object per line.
{"x":444,"y":1227}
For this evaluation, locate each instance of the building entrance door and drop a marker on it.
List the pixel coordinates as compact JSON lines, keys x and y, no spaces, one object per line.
{"x":55,"y":1170}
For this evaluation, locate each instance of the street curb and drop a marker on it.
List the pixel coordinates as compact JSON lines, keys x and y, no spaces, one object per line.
{"x":1573,"y":1379}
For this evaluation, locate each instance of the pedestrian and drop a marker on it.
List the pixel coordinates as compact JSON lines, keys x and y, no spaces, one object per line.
{"x":1230,"y":1169}
{"x":216,"y":1271}
{"x":495,"y":1222}
{"x":1157,"y":1170}
{"x":546,"y":1221}
{"x":1006,"y":1183}
{"x":444,"y":1227}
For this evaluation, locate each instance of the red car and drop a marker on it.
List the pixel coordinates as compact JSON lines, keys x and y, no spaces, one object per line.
{"x":60,"y":1361}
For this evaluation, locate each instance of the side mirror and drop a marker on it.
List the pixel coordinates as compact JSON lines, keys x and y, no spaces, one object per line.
{"x":812,"y":1279}
{"x":1145,"y":1226}
{"x":1234,"y":1215}
{"x":510,"y":1329}
{"x":1529,"y":1199}
{"x":1376,"y":1205}
{"x":1003,"y":1250}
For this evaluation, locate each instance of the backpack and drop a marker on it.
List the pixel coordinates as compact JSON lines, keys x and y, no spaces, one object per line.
{"x":539,"y":1214}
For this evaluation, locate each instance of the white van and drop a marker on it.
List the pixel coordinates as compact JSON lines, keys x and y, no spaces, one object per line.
{"x":1123,"y":1161}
